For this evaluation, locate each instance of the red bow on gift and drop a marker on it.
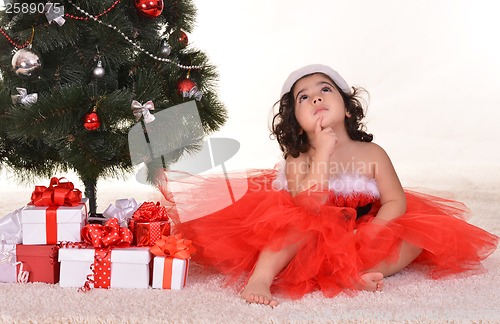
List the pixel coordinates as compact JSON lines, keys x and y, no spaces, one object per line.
{"x":173,"y":246}
{"x":107,"y":235}
{"x":150,"y":212}
{"x":58,"y":193}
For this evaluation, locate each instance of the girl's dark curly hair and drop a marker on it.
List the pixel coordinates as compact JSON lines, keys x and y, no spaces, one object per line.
{"x":293,"y":140}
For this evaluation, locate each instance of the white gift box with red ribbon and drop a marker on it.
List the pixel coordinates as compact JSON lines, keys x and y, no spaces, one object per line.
{"x":169,"y":273}
{"x":52,"y":224}
{"x":129,"y":268}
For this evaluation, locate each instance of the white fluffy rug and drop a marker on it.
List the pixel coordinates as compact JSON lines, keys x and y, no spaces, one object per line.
{"x":408,"y":297}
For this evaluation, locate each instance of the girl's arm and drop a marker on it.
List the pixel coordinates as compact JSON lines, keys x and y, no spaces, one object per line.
{"x":392,"y":196}
{"x":313,"y":174}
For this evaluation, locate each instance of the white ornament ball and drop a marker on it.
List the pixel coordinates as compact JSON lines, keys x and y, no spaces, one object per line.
{"x":98,"y":70}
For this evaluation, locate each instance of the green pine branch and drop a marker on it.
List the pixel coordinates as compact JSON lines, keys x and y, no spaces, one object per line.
{"x":49,"y":135}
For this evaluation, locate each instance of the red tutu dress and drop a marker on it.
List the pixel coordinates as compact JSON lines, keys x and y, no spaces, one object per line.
{"x":337,"y":240}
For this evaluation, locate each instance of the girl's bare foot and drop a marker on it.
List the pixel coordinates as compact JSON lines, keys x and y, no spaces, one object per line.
{"x":258,"y":292}
{"x":371,"y":281}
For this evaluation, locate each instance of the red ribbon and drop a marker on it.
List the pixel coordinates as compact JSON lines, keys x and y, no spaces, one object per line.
{"x":59,"y":193}
{"x":103,"y":238}
{"x":51,"y":224}
{"x":107,"y":235}
{"x":102,"y":268}
{"x":173,"y":246}
{"x":147,"y":233}
{"x":150,"y":212}
{"x":168,"y":265}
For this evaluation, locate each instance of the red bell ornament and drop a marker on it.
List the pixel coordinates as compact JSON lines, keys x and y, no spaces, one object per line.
{"x":91,"y":121}
{"x":149,"y":8}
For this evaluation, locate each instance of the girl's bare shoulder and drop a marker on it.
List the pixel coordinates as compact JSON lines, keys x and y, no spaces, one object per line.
{"x":370,"y":151}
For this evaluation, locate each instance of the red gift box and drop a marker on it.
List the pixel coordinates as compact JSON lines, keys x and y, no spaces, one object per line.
{"x":147,"y":233}
{"x":149,"y":223}
{"x":40,"y":261}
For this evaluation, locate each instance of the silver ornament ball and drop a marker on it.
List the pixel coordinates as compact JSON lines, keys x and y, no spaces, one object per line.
{"x":98,"y":70}
{"x":165,"y":49}
{"x":26,"y":63}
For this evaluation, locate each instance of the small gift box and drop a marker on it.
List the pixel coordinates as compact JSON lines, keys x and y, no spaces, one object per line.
{"x":105,"y":259}
{"x":57,"y":213}
{"x":39,"y":261}
{"x":171,"y":262}
{"x":8,"y":268}
{"x":8,"y":271}
{"x":149,"y":223}
{"x":10,"y":235}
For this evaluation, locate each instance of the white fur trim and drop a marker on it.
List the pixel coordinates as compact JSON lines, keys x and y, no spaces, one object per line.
{"x":351,"y":183}
{"x":346,"y":184}
{"x":280,"y":183}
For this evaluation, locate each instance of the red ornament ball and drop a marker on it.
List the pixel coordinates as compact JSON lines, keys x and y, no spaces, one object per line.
{"x":179,"y":39}
{"x":182,"y":38}
{"x":188,"y":89}
{"x":149,"y":8}
{"x":91,"y":121}
{"x":184,"y":86}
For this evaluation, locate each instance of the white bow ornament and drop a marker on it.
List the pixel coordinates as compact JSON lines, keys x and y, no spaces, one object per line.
{"x":24,"y":98}
{"x":123,"y":210}
{"x":139,"y":110}
{"x":54,"y":12}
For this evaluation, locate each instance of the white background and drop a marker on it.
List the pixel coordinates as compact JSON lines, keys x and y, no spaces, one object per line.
{"x":432,"y":68}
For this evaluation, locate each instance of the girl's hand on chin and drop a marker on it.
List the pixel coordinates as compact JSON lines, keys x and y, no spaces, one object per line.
{"x":325,"y":139}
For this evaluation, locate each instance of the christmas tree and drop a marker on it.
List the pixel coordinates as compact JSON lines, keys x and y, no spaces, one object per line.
{"x":76,"y":76}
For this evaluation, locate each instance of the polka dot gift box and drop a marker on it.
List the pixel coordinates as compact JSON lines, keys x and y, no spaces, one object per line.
{"x":105,"y":259}
{"x":125,"y":267}
{"x":149,"y":223}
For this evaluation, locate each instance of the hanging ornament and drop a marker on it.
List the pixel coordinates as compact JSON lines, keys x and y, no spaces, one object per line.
{"x":91,"y":121}
{"x":179,"y":39}
{"x":26,"y":62}
{"x":139,"y":110}
{"x":88,"y":16}
{"x":188,"y":89}
{"x":165,"y":49}
{"x":98,"y":70}
{"x":149,"y":8}
{"x":54,"y":12}
{"x":24,"y":98}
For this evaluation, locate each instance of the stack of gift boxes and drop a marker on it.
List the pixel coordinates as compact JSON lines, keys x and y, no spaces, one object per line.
{"x":51,"y":240}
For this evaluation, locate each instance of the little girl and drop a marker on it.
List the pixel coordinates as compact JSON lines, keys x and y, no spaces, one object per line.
{"x":333,"y":216}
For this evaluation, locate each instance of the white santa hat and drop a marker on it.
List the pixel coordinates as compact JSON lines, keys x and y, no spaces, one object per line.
{"x":315,"y":68}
